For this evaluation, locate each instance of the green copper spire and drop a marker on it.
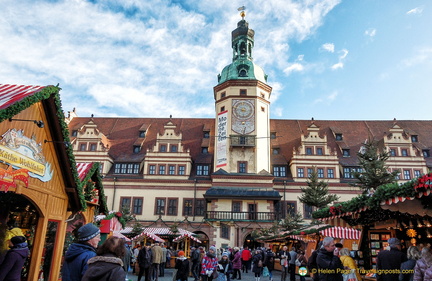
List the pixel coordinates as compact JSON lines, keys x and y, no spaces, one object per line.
{"x":242,"y":67}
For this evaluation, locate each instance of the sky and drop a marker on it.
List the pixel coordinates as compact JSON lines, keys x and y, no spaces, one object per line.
{"x":325,"y":59}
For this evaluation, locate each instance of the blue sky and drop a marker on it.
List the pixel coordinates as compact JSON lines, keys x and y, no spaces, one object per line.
{"x":327,"y":59}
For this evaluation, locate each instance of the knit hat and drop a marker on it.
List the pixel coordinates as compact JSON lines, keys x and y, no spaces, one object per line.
{"x":181,"y":253}
{"x":394,"y":242}
{"x":225,"y":254}
{"x":213,"y":248}
{"x":18,"y":240}
{"x":87,"y":232}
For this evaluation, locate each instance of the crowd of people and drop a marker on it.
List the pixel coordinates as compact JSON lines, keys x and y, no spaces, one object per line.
{"x":86,"y":261}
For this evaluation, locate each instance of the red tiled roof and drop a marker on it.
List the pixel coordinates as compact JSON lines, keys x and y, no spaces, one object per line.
{"x":10,"y":94}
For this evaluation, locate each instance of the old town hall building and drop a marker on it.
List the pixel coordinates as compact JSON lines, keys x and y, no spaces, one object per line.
{"x":226,"y":176}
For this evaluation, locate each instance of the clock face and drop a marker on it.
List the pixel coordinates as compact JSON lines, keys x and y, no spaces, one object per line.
{"x":243,"y":116}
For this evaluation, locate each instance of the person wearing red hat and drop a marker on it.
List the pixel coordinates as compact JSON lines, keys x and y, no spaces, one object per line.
{"x":182,"y":266}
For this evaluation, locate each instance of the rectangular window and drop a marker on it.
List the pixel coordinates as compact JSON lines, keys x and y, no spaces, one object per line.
{"x":224,"y":231}
{"x":172,"y":206}
{"x":162,"y":148}
{"x":206,"y":135}
{"x":93,"y":147}
{"x":338,"y":137}
{"x":417,"y":173}
{"x":117,"y":168}
{"x":392,"y":152}
{"x":171,"y":169}
{"x":136,"y":168}
{"x":125,"y":203}
{"x":161,"y":170}
{"x":152,"y":169}
{"x":404,"y":152}
{"x":204,"y":150}
{"x":279,"y":171}
{"x":426,"y":153}
{"x":222,"y":109}
{"x":173,"y":148}
{"x":319,"y":151}
{"x":137,"y":205}
{"x":242,"y":167}
{"x":348,"y":172}
{"x":309,"y":171}
{"x":290,"y":208}
{"x":320,"y":172}
{"x":243,"y":92}
{"x":83,"y":147}
{"x":330,"y":173}
{"x":136,"y":148}
{"x":142,"y":134}
{"x":200,"y":207}
{"x":300,"y":172}
{"x":276,"y":151}
{"x":307,"y":211}
{"x":130,"y":168}
{"x":414,"y":138}
{"x":74,"y":133}
{"x":160,"y":206}
{"x":397,"y":176}
{"x":202,"y":170}
{"x":187,"y":207}
{"x":181,"y":170}
{"x":223,"y":94}
{"x":236,"y":206}
{"x":308,"y":150}
{"x":123,"y":168}
{"x":407,"y":174}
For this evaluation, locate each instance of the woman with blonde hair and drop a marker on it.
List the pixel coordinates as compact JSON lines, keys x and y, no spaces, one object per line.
{"x":407,"y":267}
{"x":348,"y":262}
{"x":423,"y":267}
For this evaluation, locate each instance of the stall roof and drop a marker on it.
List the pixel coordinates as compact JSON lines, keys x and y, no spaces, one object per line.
{"x":341,"y":232}
{"x":87,"y":171}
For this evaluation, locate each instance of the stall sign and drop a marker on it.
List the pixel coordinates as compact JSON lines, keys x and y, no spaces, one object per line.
{"x":9,"y":177}
{"x":22,"y":152}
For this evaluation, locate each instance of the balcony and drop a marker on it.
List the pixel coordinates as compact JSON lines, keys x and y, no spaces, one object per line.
{"x":242,"y":140}
{"x":241,"y":216}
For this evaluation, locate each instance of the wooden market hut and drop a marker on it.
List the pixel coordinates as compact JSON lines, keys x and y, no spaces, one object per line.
{"x":393,"y":210}
{"x":39,"y":184}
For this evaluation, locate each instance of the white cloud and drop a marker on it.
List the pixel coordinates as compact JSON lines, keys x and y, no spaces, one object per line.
{"x":371,"y":32}
{"x":417,"y":10}
{"x":422,"y":55}
{"x":329,"y":47}
{"x":328,"y":99}
{"x":337,"y":65}
{"x":293,"y":67}
{"x":342,"y":57}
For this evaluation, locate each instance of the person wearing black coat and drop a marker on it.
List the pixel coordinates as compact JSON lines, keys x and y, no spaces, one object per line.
{"x":390,"y":261}
{"x":182,"y":266}
{"x":330,"y":267}
{"x":269,"y":263}
{"x":145,"y":259}
{"x":284,"y":257}
{"x":257,"y":261}
{"x":10,"y":268}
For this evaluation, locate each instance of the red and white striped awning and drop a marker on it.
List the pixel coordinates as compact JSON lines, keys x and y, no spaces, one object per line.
{"x":119,"y":235}
{"x":185,"y":236}
{"x":166,"y":231}
{"x":303,"y":238}
{"x":148,"y":235}
{"x":398,"y":199}
{"x":83,"y":169}
{"x":341,"y":232}
{"x":10,"y":94}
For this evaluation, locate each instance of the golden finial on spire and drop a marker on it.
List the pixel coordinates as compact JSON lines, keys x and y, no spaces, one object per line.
{"x":242,"y":11}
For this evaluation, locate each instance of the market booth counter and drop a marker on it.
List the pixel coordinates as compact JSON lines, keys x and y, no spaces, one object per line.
{"x":39,"y":184}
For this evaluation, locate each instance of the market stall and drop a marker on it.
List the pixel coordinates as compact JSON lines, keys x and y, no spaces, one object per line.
{"x":39,"y":184}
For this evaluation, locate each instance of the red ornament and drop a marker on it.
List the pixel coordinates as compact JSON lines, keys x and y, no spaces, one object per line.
{"x":302,"y":233}
{"x":119,"y":214}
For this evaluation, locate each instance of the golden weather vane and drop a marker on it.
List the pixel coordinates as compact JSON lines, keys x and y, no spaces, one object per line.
{"x":242,"y":11}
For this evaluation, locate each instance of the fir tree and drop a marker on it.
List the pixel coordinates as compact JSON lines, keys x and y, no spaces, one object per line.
{"x":374,"y":171}
{"x":316,"y":193}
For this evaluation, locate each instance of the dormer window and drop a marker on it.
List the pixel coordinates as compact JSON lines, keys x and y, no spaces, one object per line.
{"x":276,"y":150}
{"x":163,"y":148}
{"x":426,"y":153}
{"x":338,"y":137}
{"x":136,"y":149}
{"x":345,"y":152}
{"x":414,"y":138}
{"x":74,"y":133}
{"x":273,"y":135}
{"x":142,"y":134}
{"x":204,"y":150}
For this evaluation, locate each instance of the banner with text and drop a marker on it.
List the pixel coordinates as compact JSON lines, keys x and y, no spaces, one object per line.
{"x":221,"y":142}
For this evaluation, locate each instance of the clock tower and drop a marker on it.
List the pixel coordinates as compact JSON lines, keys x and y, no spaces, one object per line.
{"x":242,"y":103}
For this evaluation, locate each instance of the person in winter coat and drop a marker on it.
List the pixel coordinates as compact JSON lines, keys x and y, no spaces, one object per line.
{"x":195,"y":258}
{"x":423,"y":267}
{"x":246,"y":257}
{"x":390,"y":261}
{"x":145,"y":259}
{"x":77,"y":255}
{"x":269,"y":262}
{"x":237,"y":263}
{"x":157,"y":260}
{"x":209,"y":264}
{"x":108,"y":264}
{"x":182,"y":266}
{"x":258,"y":264}
{"x":284,"y":258}
{"x":303,"y":262}
{"x":348,"y":262}
{"x":225,"y":266}
{"x":312,"y":265}
{"x":10,"y":268}
{"x":329,"y":266}
{"x":407,"y":268}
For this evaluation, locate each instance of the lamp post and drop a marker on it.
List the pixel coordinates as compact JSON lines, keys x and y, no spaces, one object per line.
{"x":114,"y":193}
{"x":284,"y":203}
{"x":194,"y":201}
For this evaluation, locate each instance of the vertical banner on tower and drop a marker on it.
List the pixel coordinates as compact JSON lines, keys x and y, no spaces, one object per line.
{"x":221,"y":142}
